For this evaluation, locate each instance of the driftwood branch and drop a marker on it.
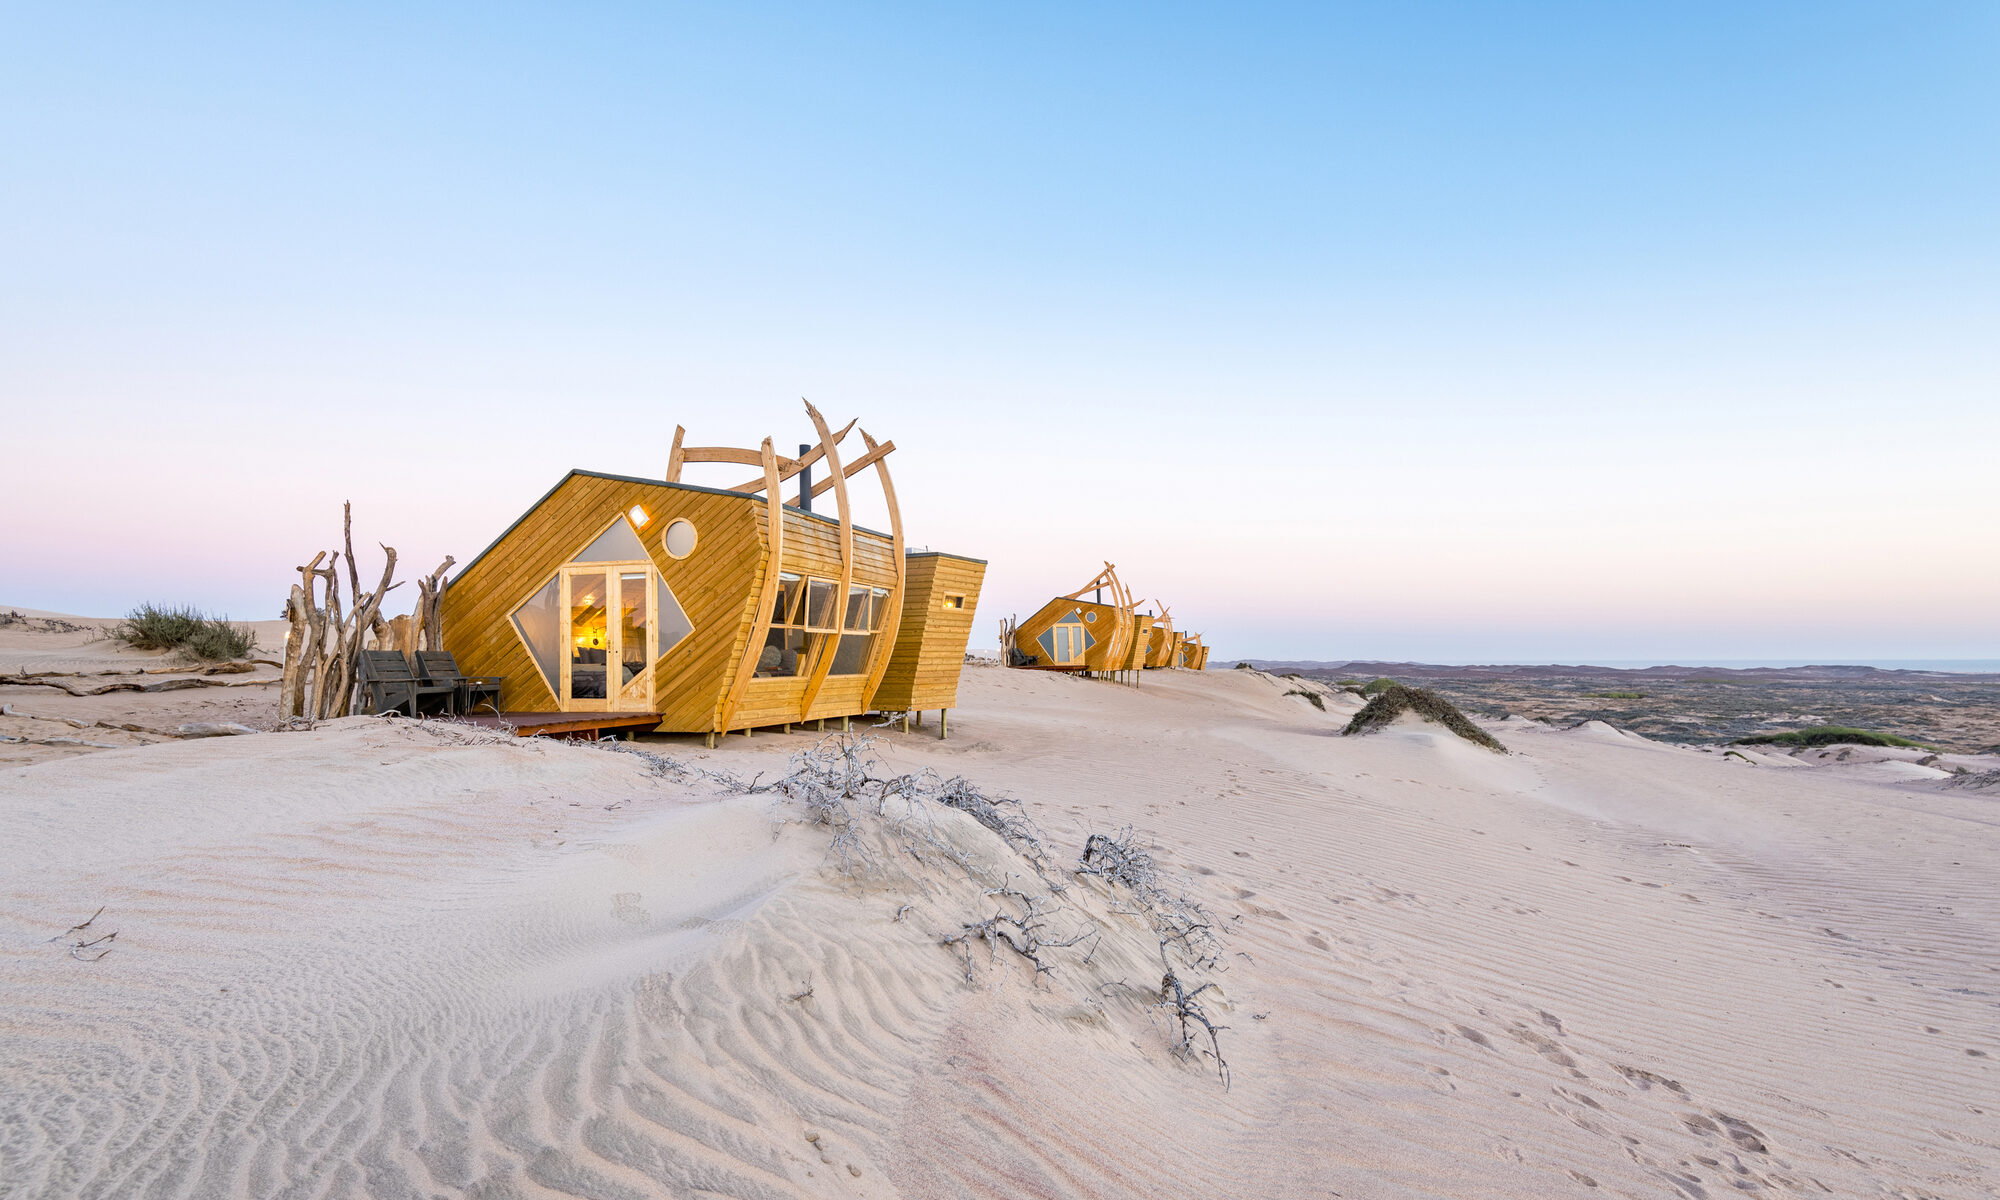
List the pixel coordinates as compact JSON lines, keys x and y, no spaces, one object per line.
{"x":323,"y":646}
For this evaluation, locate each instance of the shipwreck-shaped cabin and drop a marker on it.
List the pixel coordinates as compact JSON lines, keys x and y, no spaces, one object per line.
{"x":1190,"y":652}
{"x":1160,"y":646}
{"x":1072,"y":633}
{"x":714,"y":609}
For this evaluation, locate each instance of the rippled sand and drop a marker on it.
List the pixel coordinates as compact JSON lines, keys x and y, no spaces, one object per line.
{"x":375,"y":960}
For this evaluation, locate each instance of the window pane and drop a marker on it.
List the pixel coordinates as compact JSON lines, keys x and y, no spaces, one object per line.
{"x":538,"y":619}
{"x":954,"y":602}
{"x":589,"y":633}
{"x":784,"y":654}
{"x":616,"y":544}
{"x":785,"y":611}
{"x":1048,"y":644}
{"x":673,"y":621}
{"x":819,"y":604}
{"x":878,"y":609}
{"x":857,"y":609}
{"x":632,"y":622}
{"x":852,"y":657}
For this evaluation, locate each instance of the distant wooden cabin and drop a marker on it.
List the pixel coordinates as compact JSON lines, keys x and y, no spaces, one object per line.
{"x":1190,"y":652}
{"x":716,"y":609}
{"x":1075,"y":633}
{"x":1145,"y":628}
{"x":1160,"y":645}
{"x":941,"y":594}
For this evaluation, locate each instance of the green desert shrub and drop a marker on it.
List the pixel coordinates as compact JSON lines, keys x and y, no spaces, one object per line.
{"x":1616,"y":695}
{"x":1395,"y":700}
{"x":188,"y":630}
{"x":1378,"y":687}
{"x":1317,"y":702}
{"x":1829,"y":735}
{"x":1245,"y":667}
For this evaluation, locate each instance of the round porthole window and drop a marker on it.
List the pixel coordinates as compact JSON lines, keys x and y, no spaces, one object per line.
{"x":679,"y":539}
{"x":1091,"y":617}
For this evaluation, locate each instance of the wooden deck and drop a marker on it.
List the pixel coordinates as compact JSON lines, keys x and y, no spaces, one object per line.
{"x":567,"y":724}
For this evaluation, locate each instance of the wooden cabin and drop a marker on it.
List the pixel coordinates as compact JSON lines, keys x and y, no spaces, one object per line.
{"x":712,"y":609}
{"x":1160,"y":649}
{"x":1189,"y":652}
{"x":1075,"y":633}
{"x":941,"y":592}
{"x":1135,"y":650}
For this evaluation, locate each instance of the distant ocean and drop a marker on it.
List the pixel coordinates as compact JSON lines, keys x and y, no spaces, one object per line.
{"x":1965,"y":666}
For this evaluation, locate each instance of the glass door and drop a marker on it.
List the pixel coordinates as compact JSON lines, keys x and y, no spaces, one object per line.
{"x":637,"y":640}
{"x":610,"y":638}
{"x":586,"y":605}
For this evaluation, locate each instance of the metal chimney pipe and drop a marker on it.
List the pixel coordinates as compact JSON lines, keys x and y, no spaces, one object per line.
{"x":805,"y":483}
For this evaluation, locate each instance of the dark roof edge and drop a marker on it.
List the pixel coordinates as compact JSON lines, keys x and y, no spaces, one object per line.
{"x":943,"y":554}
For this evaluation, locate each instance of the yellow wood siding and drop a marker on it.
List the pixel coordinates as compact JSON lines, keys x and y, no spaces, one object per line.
{"x":931,"y":639}
{"x":1109,"y":633}
{"x":716,"y":587}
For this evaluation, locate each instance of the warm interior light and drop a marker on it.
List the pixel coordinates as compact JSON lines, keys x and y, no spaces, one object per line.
{"x":638,"y":514}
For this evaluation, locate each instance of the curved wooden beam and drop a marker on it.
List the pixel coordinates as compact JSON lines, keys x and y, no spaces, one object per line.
{"x":827,"y":653}
{"x":730,"y":454}
{"x":854,"y":468}
{"x":760,"y":625}
{"x":674,"y":455}
{"x":885,"y":634}
{"x":1108,"y":577}
{"x":792,"y":466}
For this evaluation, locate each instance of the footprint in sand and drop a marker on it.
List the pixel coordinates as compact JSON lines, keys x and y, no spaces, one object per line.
{"x":1645,"y":1080}
{"x":625,"y":907}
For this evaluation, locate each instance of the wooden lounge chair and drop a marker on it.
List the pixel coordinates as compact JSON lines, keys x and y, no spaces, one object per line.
{"x":469,"y":692}
{"x":387,"y":684}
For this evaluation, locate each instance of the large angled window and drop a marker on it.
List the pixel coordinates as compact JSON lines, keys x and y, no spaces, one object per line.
{"x":867,"y":612}
{"x":540,"y":623}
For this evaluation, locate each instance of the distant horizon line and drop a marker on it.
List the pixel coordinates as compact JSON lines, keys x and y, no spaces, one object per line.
{"x":1974,"y":666}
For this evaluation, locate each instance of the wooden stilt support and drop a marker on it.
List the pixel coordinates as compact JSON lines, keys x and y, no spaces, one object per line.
{"x":711,"y":739}
{"x":822,"y":724}
{"x":843,"y":724}
{"x":788,"y":727}
{"x":944,"y":716}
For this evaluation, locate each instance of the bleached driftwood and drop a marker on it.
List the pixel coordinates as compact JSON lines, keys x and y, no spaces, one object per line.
{"x":324,"y":645}
{"x":429,"y":617}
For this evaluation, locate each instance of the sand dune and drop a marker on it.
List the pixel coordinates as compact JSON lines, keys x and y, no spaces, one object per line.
{"x":381,"y":959}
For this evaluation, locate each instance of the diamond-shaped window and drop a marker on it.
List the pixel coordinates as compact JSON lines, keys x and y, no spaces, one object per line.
{"x":540,"y":621}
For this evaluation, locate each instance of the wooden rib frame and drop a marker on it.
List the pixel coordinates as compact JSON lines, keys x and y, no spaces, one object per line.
{"x":830,"y":648}
{"x":885,"y":630}
{"x":760,"y":628}
{"x":776,"y":471}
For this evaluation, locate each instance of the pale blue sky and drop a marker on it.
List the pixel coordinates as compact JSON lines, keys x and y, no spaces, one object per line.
{"x":1413,"y":331}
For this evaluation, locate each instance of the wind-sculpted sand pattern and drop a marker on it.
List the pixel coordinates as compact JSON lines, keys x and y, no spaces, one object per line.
{"x":378,"y":960}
